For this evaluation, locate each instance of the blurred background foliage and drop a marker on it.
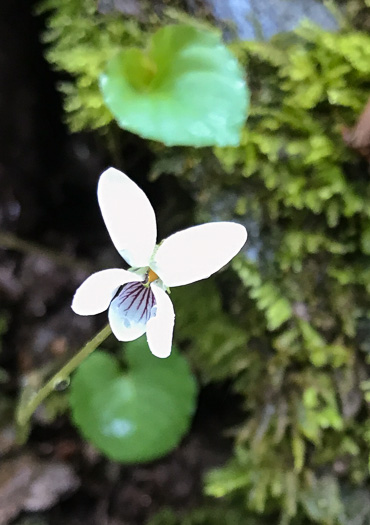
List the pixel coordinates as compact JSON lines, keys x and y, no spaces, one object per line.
{"x":287,"y":327}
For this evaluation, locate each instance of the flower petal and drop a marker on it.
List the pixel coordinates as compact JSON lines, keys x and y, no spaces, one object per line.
{"x":128,"y":216}
{"x":130,"y":311}
{"x":159,"y":329}
{"x":95,"y":294}
{"x":198,"y":252}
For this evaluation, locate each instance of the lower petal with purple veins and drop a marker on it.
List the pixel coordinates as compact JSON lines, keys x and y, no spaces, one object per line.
{"x":130,"y":311}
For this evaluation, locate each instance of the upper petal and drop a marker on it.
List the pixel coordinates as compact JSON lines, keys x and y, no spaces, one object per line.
{"x":198,"y":252}
{"x":130,"y":311}
{"x":128,"y":216}
{"x":95,"y":294}
{"x":159,"y":329}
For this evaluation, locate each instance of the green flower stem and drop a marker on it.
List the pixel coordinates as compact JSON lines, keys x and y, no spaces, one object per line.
{"x":28,"y":407}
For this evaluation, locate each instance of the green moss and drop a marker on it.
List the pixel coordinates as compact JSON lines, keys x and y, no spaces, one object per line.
{"x":305,"y":198}
{"x":80,"y":41}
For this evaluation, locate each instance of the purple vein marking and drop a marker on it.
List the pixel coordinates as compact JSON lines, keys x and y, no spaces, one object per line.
{"x":135,"y":298}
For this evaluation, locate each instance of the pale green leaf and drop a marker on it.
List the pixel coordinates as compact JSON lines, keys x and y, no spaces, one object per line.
{"x":186,"y":89}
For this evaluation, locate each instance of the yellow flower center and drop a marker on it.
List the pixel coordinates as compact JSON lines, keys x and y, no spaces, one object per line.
{"x":152,"y":276}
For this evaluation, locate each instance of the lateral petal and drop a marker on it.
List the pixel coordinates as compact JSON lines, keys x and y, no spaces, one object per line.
{"x":159,"y":329}
{"x":196,"y":253}
{"x":96,"y":292}
{"x":128,"y":216}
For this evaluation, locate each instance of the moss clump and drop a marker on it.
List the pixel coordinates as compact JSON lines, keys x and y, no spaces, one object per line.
{"x":298,"y":352}
{"x":80,"y":40}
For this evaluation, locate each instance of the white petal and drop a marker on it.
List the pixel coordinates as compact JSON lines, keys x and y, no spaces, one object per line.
{"x":198,"y":252}
{"x":130,"y":311}
{"x":128,"y":216}
{"x":159,"y":329}
{"x":95,"y":294}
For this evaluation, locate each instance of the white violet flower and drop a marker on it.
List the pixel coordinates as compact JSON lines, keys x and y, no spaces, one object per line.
{"x":137,"y":299}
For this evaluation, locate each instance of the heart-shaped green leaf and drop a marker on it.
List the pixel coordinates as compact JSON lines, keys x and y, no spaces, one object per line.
{"x":138,"y":414}
{"x":186,"y":89}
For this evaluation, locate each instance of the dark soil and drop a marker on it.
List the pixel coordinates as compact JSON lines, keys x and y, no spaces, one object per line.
{"x":45,"y":175}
